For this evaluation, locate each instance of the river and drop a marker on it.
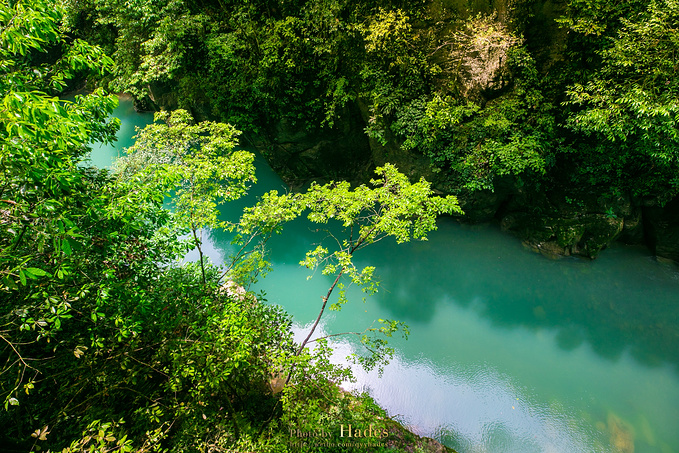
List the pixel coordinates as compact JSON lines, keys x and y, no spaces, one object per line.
{"x":509,"y":351}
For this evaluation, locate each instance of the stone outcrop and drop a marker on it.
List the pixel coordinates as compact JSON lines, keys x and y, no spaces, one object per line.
{"x":566,"y":221}
{"x":661,"y":225}
{"x":472,"y":52}
{"x":621,"y":434}
{"x":585,"y":235}
{"x":161,"y":97}
{"x":411,"y":164}
{"x":475,"y":56}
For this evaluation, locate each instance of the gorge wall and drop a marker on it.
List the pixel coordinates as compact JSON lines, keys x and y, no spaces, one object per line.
{"x":471,"y":49}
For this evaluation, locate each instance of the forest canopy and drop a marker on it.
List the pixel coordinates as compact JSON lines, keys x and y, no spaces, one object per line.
{"x":477,"y":90}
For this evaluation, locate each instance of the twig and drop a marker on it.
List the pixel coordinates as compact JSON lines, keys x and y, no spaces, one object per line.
{"x":335,"y":335}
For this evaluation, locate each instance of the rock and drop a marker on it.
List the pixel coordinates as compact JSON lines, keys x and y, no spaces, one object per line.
{"x":566,"y":220}
{"x":584,"y":235}
{"x":163,"y":96}
{"x":647,"y":432}
{"x":405,"y":439}
{"x":599,"y":231}
{"x":482,"y":205}
{"x":548,"y":249}
{"x":234,"y":290}
{"x":633,"y":228}
{"x":414,"y":165}
{"x":298,"y":154}
{"x":546,"y":37}
{"x":277,"y":382}
{"x":622,"y":435}
{"x":661,"y":225}
{"x":478,"y":56}
{"x":144,"y":104}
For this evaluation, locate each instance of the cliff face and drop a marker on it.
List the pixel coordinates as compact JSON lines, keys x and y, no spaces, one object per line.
{"x":471,"y":44}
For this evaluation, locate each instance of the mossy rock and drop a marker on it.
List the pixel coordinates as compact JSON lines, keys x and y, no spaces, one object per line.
{"x":403,"y":440}
{"x":568,"y":235}
{"x":585,"y":236}
{"x":601,"y":230}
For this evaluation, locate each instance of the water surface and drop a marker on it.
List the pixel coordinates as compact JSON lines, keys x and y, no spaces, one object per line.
{"x":102,"y":156}
{"x":509,"y":351}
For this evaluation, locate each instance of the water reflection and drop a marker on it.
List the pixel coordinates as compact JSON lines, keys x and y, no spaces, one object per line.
{"x":585,"y":346}
{"x":509,"y":351}
{"x":477,"y":409}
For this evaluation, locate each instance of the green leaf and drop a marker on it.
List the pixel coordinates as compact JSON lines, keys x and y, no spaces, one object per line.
{"x":37,"y":272}
{"x":66,"y":247}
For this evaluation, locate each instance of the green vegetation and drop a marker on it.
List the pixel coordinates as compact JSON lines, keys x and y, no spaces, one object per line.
{"x":197,"y":162}
{"x":476,"y":91}
{"x":107,"y":344}
{"x":627,"y":109}
{"x":394,"y":208}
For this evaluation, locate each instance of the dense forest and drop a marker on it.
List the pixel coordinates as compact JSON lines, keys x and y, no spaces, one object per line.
{"x":557,"y":119}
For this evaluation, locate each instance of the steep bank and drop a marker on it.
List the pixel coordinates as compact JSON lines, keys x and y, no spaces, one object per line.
{"x":529,"y":111}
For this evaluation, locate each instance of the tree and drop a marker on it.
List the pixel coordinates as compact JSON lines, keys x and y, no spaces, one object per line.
{"x":106,"y":343}
{"x":630,"y":103}
{"x":43,"y":191}
{"x":394,"y":207}
{"x":512,"y":135}
{"x":97,"y":327}
{"x":198,"y":162}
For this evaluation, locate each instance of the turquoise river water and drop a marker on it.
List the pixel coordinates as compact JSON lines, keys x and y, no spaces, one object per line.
{"x":509,"y":351}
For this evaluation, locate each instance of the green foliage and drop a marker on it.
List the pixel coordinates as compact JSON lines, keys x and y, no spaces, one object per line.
{"x":107,"y":344}
{"x":29,"y":30}
{"x":50,"y":210}
{"x":629,"y":107}
{"x":597,"y":17}
{"x":100,"y":437}
{"x":257,"y":63}
{"x":624,"y":99}
{"x":396,"y":68}
{"x":89,"y":296}
{"x":95,"y":327}
{"x":512,"y":135}
{"x":393,"y":208}
{"x":298,"y":65}
{"x":197,"y":162}
{"x":219,"y":367}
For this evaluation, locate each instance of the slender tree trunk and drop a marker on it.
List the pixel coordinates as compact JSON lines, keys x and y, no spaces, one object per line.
{"x":200,"y":253}
{"x":232,"y":416}
{"x":318,"y":319}
{"x":353,"y":248}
